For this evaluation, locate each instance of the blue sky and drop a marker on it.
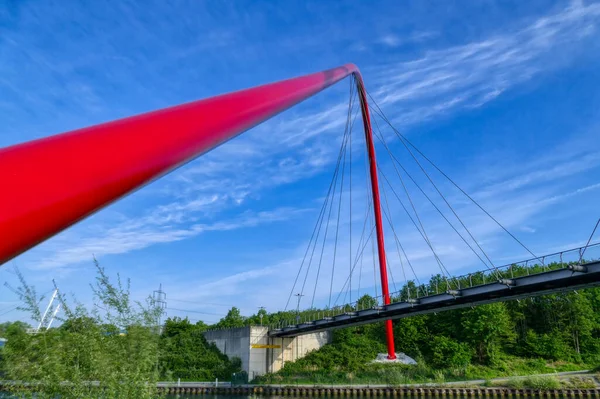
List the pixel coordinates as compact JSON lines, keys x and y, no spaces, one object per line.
{"x":503,"y":96}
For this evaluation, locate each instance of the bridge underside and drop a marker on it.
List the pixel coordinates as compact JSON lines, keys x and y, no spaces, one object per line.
{"x":572,"y":278}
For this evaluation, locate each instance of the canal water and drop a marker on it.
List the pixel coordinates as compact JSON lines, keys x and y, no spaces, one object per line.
{"x":211,"y":396}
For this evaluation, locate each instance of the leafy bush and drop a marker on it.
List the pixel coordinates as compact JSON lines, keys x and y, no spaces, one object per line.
{"x":185,"y":354}
{"x":579,"y":383}
{"x":61,"y":362}
{"x":516,"y":383}
{"x":542,"y":382}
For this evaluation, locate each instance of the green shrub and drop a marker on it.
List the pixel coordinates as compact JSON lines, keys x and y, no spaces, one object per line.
{"x":87,"y":347}
{"x":579,"y":383}
{"x":542,"y":382}
{"x":516,"y":383}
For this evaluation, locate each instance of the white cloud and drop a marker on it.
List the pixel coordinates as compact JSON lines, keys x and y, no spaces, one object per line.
{"x":473,"y":74}
{"x":390,"y":40}
{"x":395,"y":40}
{"x":527,"y":229}
{"x":135,"y":234}
{"x":564,"y":196}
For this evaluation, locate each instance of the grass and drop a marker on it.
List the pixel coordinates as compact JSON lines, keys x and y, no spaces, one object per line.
{"x":546,"y":382}
{"x":542,"y":382}
{"x":393,"y":374}
{"x":579,"y":383}
{"x":513,"y":366}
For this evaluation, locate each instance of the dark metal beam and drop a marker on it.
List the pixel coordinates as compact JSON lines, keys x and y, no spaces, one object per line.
{"x":567,"y":279}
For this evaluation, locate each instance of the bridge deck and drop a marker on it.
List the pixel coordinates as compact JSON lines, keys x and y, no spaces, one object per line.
{"x":571,"y":278}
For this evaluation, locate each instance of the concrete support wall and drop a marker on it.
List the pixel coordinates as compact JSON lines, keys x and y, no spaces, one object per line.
{"x":259,"y":353}
{"x":233,"y":342}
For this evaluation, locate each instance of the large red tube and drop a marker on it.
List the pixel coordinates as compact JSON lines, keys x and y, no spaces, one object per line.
{"x":51,"y":183}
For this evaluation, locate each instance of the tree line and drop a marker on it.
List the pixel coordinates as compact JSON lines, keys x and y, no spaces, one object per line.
{"x":121,"y":344}
{"x":557,"y":327}
{"x":538,"y":334}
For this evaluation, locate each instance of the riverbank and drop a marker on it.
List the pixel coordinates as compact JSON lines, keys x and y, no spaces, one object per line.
{"x":568,"y":385}
{"x":578,"y":384}
{"x":402,"y":375}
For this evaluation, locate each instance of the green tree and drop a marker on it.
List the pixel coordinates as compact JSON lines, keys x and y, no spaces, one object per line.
{"x":366,"y":302}
{"x":176,"y":325}
{"x":487,"y":328}
{"x":233,"y":319}
{"x":445,"y":352}
{"x":4,"y":327}
{"x":186,"y":354}
{"x":410,"y":334}
{"x":261,"y":317}
{"x":582,"y":320}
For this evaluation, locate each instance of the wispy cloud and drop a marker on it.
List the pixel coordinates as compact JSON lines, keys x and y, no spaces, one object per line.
{"x":397,"y":40}
{"x":135,"y":234}
{"x":554,"y":168}
{"x":473,"y":74}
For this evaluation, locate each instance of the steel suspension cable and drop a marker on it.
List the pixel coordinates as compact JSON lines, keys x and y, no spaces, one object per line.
{"x":338,"y":222}
{"x":324,"y":241}
{"x":342,"y":147}
{"x":348,"y":136}
{"x":445,"y":200}
{"x":361,"y":252}
{"x":375,"y":282}
{"x":305,"y":254}
{"x":424,"y":232}
{"x":588,"y":241}
{"x":360,"y":241}
{"x":379,"y":111}
{"x":359,"y":255}
{"x":310,"y":243}
{"x":368,"y":216}
{"x":350,"y":211}
{"x":396,"y":239}
{"x":440,"y":263}
{"x":326,"y":200}
{"x":395,"y":159}
{"x":374,"y":264}
{"x":387,"y":261}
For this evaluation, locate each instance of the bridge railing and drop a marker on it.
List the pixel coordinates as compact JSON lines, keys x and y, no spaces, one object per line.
{"x":439,"y":284}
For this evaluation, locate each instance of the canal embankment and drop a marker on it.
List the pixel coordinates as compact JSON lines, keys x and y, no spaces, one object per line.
{"x":567,"y":385}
